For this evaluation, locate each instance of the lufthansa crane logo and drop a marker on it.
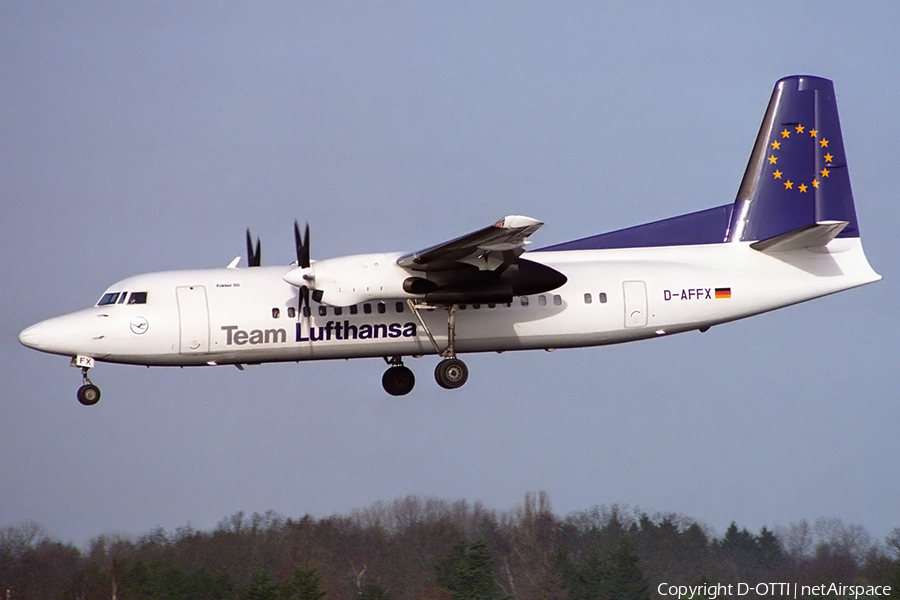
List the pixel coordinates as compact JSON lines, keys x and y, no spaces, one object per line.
{"x":139,"y":325}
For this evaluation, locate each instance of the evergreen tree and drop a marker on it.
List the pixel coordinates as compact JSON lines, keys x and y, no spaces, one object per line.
{"x":626,"y":578}
{"x":303,"y":585}
{"x":587,"y":581}
{"x":468,"y":573}
{"x":768,"y":548}
{"x":261,"y":587}
{"x":895,"y":582}
{"x":372,"y":591}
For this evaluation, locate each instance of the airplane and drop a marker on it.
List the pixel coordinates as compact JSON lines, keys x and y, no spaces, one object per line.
{"x":791,"y":235}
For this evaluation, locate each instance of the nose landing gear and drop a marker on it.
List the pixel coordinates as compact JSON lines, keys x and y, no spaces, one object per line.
{"x":88,"y":393}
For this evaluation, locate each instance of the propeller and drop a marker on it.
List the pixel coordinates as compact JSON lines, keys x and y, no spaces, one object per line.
{"x":302,"y":246}
{"x":254,"y":256}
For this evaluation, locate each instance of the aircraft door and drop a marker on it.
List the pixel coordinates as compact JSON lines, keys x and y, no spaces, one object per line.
{"x":635,"y":293}
{"x":193,"y":319}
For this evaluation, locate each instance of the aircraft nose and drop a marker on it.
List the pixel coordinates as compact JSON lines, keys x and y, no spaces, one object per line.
{"x":34,"y":337}
{"x":76,"y":333}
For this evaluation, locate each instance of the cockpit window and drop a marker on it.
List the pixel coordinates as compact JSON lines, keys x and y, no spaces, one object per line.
{"x":108,"y":298}
{"x":119,"y":298}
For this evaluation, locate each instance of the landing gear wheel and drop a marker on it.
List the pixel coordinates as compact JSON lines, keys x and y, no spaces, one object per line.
{"x":451,"y":373}
{"x":398,"y":380}
{"x":89,"y":394}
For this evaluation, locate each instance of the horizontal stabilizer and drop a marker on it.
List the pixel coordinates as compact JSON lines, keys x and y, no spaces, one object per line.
{"x":810,"y":236}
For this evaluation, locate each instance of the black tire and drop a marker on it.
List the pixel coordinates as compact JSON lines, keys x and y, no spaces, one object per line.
{"x":398,"y":381}
{"x":89,"y":394}
{"x":451,"y":373}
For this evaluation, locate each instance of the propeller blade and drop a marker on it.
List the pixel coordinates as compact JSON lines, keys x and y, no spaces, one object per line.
{"x":304,"y":301}
{"x":298,"y":242}
{"x":304,"y":259}
{"x":254,"y":257}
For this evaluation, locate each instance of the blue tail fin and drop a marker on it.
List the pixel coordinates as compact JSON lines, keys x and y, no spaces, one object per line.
{"x":797,"y":174}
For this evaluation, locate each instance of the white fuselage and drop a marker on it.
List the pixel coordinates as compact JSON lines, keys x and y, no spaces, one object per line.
{"x":241,"y":316}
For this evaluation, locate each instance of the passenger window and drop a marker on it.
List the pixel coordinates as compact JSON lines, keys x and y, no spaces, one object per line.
{"x":367,"y":308}
{"x":276,"y":313}
{"x":323,"y":310}
{"x":557,"y":300}
{"x":338,"y":311}
{"x":587,"y":299}
{"x":138,"y":298}
{"x":399,"y":306}
{"x":292,"y":312}
{"x":354,"y":309}
{"x":492,"y":305}
{"x":602,"y":297}
{"x":462,"y":307}
{"x":524,"y":300}
{"x":542,"y":300}
{"x":306,"y":311}
{"x":382,"y":308}
{"x":476,"y":306}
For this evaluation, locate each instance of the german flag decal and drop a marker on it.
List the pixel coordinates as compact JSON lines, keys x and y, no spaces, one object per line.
{"x":723,"y":293}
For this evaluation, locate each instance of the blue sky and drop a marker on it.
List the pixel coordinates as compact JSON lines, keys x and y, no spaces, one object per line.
{"x":140,"y":137}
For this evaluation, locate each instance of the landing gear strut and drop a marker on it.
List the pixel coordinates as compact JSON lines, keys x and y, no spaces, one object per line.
{"x":88,"y":393}
{"x":398,"y":380}
{"x":451,"y":372}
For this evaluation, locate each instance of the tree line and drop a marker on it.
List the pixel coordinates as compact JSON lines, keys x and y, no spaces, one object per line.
{"x":415,"y":548}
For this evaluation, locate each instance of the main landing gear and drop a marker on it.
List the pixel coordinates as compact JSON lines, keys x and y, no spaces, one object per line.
{"x":398,"y":380}
{"x":450,"y":373}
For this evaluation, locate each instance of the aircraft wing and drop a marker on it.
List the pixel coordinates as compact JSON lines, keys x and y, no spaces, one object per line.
{"x":492,"y":248}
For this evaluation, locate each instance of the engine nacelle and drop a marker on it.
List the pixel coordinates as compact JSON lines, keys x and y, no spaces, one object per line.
{"x":348,"y":280}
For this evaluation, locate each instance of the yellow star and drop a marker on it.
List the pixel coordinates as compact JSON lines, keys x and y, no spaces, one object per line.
{"x":815,"y":183}
{"x":823,"y":143}
{"x":777,"y":174}
{"x":776,"y":145}
{"x":799,"y":128}
{"x":785,"y":133}
{"x":813,"y":132}
{"x":803,"y":187}
{"x":825,"y":172}
{"x":788,"y":185}
{"x":773,"y":160}
{"x":828,"y":157}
